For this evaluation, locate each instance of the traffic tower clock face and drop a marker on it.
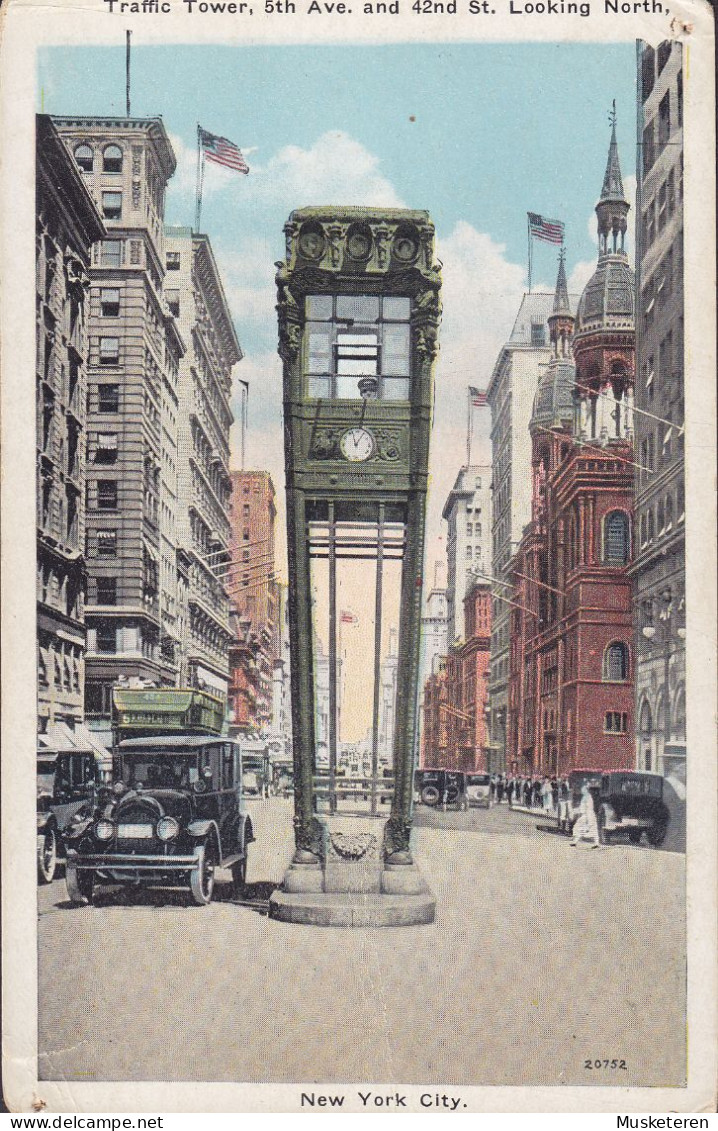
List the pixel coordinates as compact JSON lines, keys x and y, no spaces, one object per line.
{"x":357,"y":445}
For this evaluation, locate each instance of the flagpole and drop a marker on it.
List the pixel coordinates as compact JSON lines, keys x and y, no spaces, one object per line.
{"x":128,"y":37}
{"x":200,"y":179}
{"x":468,"y":427}
{"x":528,"y":232}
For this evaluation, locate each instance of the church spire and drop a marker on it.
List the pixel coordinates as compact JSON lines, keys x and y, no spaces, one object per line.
{"x":612,"y":208}
{"x":560,"y":298}
{"x":612,"y":182}
{"x":560,"y":321}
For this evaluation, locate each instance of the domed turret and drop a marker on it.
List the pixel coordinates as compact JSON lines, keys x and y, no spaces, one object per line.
{"x":604,"y":337}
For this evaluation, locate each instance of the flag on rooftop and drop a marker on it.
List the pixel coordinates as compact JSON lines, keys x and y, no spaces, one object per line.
{"x":551,"y":231}
{"x":222,"y":152}
{"x":478,"y":396}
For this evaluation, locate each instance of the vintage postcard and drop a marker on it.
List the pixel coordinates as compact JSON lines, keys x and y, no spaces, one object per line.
{"x":358,"y":556}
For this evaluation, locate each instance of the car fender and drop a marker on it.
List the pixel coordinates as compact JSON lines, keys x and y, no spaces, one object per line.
{"x":44,"y":820}
{"x":246,"y":833}
{"x":202,"y":829}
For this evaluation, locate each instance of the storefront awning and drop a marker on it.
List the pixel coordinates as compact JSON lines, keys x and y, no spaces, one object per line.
{"x":59,"y":737}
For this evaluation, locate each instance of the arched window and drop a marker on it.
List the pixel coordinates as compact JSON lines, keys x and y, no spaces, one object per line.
{"x":84,"y":157}
{"x":645,"y":718}
{"x":112,"y":159}
{"x":616,"y":538}
{"x":679,"y":715}
{"x":615,"y":662}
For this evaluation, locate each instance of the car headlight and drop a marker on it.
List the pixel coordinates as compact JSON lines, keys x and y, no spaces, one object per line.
{"x":104,"y":830}
{"x":167,"y":827}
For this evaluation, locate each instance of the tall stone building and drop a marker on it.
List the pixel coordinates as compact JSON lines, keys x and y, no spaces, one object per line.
{"x":133,"y":365}
{"x":572,"y":658}
{"x":511,"y":392}
{"x":195,"y":297}
{"x":467,"y":511}
{"x":659,"y":567}
{"x":254,"y":589}
{"x":68,"y":224}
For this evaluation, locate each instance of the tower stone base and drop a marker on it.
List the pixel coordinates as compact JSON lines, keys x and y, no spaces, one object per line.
{"x":353,"y":886}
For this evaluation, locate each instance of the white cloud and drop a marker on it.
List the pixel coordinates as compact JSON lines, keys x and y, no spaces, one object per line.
{"x":336,"y":168}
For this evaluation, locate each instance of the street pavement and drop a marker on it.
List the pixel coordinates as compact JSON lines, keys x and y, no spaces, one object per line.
{"x":542,"y":957}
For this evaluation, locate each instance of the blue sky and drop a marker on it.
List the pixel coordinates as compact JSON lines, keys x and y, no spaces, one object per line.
{"x":497,"y":130}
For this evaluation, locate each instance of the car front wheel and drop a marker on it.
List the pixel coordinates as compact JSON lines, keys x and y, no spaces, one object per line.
{"x":657,"y":834}
{"x":46,"y":856}
{"x":239,"y":877}
{"x":201,"y":878}
{"x":80,"y":883}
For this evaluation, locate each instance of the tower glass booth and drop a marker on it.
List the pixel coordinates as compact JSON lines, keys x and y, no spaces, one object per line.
{"x":359,"y":309}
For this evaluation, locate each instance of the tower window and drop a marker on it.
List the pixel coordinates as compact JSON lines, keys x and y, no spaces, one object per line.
{"x":107,"y":591}
{"x":109,"y":302}
{"x":616,"y":538}
{"x":106,"y":636}
{"x":616,"y":722}
{"x":112,"y":159}
{"x":108,"y":398}
{"x":109,"y":351}
{"x":538,"y":334}
{"x":84,"y":157}
{"x":615,"y":663}
{"x":106,"y":447}
{"x":111,"y":254}
{"x":107,"y":494}
{"x":173,"y":261}
{"x":350,"y":337}
{"x":106,"y":543}
{"x":112,"y":205}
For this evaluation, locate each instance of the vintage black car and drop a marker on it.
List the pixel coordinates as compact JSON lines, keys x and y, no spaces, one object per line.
{"x":66,"y":781}
{"x":632,"y":802}
{"x":173,"y":815}
{"x":440,"y":788}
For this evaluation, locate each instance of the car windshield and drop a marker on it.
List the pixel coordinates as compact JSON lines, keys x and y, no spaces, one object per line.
{"x":478,"y":779}
{"x":154,"y":770}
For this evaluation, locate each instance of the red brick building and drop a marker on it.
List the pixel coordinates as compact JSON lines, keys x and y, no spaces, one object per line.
{"x":571,"y":637}
{"x":456,"y":695}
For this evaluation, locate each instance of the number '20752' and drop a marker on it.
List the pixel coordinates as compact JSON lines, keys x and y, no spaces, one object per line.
{"x":596,"y":1064}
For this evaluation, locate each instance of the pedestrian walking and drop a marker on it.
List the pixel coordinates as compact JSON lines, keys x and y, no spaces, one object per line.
{"x":527,"y":793}
{"x":546,"y":796}
{"x":554,"y":793}
{"x":510,"y":791}
{"x":499,"y":789}
{"x":536,"y":794}
{"x":586,"y":826}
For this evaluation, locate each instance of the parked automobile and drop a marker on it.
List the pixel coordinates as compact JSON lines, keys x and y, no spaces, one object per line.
{"x":632,"y":802}
{"x":66,"y":781}
{"x":568,"y":806}
{"x":440,"y":788}
{"x":174,"y":814}
{"x":478,"y":789}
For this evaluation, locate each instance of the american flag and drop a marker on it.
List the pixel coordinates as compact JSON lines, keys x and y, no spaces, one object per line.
{"x":478,"y":396}
{"x":549,"y":230}
{"x":222,"y":152}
